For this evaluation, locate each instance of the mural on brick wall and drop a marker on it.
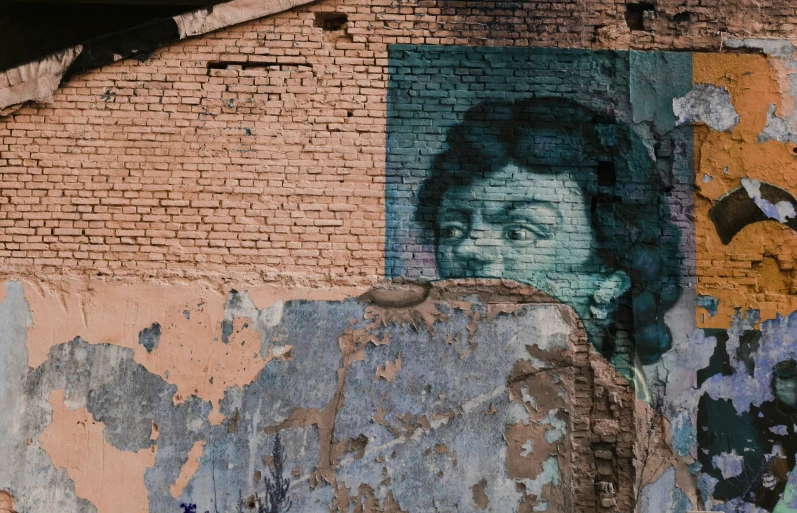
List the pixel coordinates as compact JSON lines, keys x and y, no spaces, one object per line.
{"x":573,"y":172}
{"x":549,"y":193}
{"x":565,"y":170}
{"x":592,"y":308}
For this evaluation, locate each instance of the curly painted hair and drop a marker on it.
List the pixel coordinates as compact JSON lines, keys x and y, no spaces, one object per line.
{"x":629,"y":212}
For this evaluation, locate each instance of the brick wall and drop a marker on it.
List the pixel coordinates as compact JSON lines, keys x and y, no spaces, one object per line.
{"x":263,"y":151}
{"x":261,"y":148}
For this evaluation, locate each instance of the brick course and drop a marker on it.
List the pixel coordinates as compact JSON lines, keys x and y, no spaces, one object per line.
{"x":260,"y":148}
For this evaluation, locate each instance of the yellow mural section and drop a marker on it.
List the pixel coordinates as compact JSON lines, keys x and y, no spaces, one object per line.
{"x":757,"y":268}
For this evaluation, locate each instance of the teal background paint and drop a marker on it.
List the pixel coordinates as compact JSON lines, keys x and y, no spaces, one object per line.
{"x":430,"y":88}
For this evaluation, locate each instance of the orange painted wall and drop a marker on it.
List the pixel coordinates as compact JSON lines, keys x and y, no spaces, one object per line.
{"x":756,"y":269}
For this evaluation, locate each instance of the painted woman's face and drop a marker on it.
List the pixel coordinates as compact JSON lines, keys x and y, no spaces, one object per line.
{"x":524,"y":225}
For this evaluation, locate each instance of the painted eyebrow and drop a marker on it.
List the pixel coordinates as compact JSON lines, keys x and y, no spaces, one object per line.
{"x":455,"y":211}
{"x":534,"y":206}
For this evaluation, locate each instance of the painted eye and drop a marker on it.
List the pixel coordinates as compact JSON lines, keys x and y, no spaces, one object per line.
{"x":452,"y":232}
{"x":519,"y":234}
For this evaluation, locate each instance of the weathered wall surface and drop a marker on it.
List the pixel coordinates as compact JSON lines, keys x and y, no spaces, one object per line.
{"x":261,"y":148}
{"x":577,"y":204}
{"x":467,"y":395}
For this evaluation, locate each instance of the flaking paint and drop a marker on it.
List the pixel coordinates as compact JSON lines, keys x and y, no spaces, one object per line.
{"x":112,"y":480}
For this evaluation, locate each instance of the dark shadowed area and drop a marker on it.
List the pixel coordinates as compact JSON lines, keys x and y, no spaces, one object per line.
{"x":30,"y":30}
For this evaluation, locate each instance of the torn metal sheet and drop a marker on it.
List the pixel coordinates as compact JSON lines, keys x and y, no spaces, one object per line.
{"x":230,"y":13}
{"x":37,"y":81}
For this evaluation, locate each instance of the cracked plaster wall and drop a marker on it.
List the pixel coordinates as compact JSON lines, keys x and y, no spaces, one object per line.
{"x":495,"y":383}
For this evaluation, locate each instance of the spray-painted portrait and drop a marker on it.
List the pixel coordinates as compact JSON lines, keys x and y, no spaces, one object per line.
{"x":549,"y":193}
{"x":568,"y":177}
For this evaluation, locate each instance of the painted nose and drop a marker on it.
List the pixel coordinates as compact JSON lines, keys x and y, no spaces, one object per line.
{"x":479,"y":255}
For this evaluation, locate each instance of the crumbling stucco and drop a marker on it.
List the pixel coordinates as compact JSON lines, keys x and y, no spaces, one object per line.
{"x":485,"y":369}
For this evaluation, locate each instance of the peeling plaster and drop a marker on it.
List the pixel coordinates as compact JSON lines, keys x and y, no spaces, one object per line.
{"x":112,"y":480}
{"x":708,"y":104}
{"x":783,"y":127}
{"x":239,"y":369}
{"x":743,"y":383}
{"x":777,"y":345}
{"x":46,"y":489}
{"x":755,"y":82}
{"x":104,"y":385}
{"x":472,"y":362}
{"x":106,"y":313}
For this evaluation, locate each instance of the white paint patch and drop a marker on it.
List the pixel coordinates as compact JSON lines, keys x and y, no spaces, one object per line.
{"x":557,"y":427}
{"x":270,"y":317}
{"x":708,"y":104}
{"x":753,"y":187}
{"x":729,"y":464}
{"x":778,"y":128}
{"x":528,"y":399}
{"x":190,"y":23}
{"x":546,"y":328}
{"x":780,"y":430}
{"x":779,"y":48}
{"x":549,"y":475}
{"x":782,"y":211}
{"x":254,"y":442}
